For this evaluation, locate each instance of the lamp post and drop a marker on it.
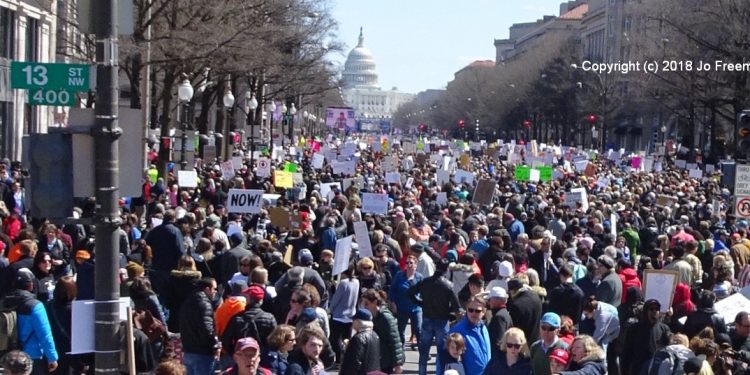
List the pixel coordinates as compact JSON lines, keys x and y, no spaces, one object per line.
{"x":306,"y":116}
{"x":251,"y":104}
{"x":228,"y":105}
{"x":184,"y":94}
{"x":290,"y":123}
{"x":271,"y":108}
{"x":476,"y":130}
{"x":663,"y":134}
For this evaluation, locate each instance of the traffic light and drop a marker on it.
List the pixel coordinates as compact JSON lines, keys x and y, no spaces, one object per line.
{"x":527,"y":124}
{"x":422,"y":128}
{"x":743,"y":135}
{"x":50,"y":161}
{"x":461,"y":124}
{"x":591,"y":119}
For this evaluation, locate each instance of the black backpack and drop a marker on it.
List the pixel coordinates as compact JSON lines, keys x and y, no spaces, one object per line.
{"x":665,"y":362}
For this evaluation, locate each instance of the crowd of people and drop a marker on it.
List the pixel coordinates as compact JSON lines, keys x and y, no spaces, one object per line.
{"x":523,"y":280}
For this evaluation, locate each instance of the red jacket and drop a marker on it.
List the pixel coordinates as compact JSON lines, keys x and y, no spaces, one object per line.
{"x":629,"y":277}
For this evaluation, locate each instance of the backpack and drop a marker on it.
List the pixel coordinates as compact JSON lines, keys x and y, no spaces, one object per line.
{"x":8,"y":330}
{"x":665,"y":362}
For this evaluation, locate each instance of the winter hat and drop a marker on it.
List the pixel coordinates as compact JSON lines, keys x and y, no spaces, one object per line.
{"x":308,"y":315}
{"x":363,"y":314}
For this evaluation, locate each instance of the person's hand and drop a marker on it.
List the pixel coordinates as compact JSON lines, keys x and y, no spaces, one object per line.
{"x":52,"y":366}
{"x":397,"y":369}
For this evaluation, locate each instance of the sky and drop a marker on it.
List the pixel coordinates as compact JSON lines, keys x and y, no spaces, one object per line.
{"x":420,"y":44}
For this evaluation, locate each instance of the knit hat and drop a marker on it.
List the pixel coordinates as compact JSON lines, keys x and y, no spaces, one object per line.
{"x":363,"y":314}
{"x":305,"y":257}
{"x":237,"y":287}
{"x":505,"y":269}
{"x":308,"y":315}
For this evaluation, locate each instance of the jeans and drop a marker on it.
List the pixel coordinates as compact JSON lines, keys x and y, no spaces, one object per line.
{"x":199,"y":364}
{"x":436,"y":328}
{"x":403,"y":319}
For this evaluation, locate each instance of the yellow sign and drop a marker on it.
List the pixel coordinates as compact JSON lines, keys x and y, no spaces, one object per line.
{"x":465,"y":160}
{"x":283,"y":179}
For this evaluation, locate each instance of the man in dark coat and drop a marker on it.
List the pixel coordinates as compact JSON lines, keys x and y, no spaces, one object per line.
{"x":167,"y":245}
{"x":230,"y":260}
{"x":501,"y":320}
{"x":362,"y":354}
{"x":306,"y":359}
{"x":197,"y":330}
{"x":566,"y":298}
{"x":525,"y":308}
{"x":609,"y":289}
{"x":644,"y":338}
{"x":542,"y":262}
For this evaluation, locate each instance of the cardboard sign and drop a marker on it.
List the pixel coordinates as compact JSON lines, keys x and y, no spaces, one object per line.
{"x":729,"y":307}
{"x":375,"y":203}
{"x":523,"y":173}
{"x":263,"y":167}
{"x":283,"y":179}
{"x":362,"y":236}
{"x":279,"y":217}
{"x":465,"y":160}
{"x":665,"y":200}
{"x":484,"y":192}
{"x":187,"y":179}
{"x":244,"y":201}
{"x":660,"y":285}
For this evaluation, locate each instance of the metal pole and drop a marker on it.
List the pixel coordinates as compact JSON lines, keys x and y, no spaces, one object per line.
{"x":106,"y":133}
{"x":183,"y":120}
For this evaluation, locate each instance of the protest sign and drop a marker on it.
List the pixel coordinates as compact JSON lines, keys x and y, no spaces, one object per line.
{"x":375,"y":203}
{"x":279,"y":217}
{"x":227,"y":171}
{"x":729,"y":307}
{"x":83,"y":320}
{"x":393,"y":178}
{"x":522,"y":173}
{"x":187,"y":179}
{"x":442,"y":177}
{"x":347,"y":168}
{"x":484,"y":192}
{"x":327,"y":187}
{"x":263,"y":167}
{"x":442,"y":198}
{"x":660,"y":285}
{"x":409,"y":147}
{"x":388,"y":164}
{"x":545,"y":174}
{"x":362,"y":236}
{"x":695,"y":173}
{"x":341,"y":255}
{"x":318,"y":160}
{"x":463,"y":177}
{"x":244,"y":201}
{"x":283,"y":179}
{"x":534,"y":175}
{"x":577,"y":195}
{"x":465,"y":160}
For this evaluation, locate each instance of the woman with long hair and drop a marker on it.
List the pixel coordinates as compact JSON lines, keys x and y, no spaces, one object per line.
{"x":178,"y":289}
{"x":59,"y":312}
{"x":281,"y":341}
{"x":586,"y":357}
{"x":45,"y":281}
{"x":514,"y":355}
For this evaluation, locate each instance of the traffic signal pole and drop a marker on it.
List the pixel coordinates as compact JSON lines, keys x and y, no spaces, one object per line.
{"x":106,"y":133}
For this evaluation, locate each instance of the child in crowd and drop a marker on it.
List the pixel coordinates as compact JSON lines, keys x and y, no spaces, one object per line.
{"x":450,"y":355}
{"x":558,"y":360}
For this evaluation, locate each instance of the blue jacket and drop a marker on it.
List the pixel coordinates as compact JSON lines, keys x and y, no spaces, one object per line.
{"x":478,"y":350}
{"x":328,"y":239}
{"x":34,"y":332}
{"x":397,"y":292}
{"x":515,"y":228}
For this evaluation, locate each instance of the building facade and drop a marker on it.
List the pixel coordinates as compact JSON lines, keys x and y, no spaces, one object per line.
{"x":361,"y":90}
{"x":27,"y":33}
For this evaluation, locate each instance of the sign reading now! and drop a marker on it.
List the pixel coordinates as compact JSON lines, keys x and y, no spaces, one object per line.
{"x":243,"y":201}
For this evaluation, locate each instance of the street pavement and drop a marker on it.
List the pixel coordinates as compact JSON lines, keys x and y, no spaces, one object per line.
{"x":411,"y":366}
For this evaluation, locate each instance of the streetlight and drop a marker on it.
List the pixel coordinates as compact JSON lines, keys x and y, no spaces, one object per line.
{"x":290,"y":123}
{"x":228,"y":104}
{"x":306,"y":116}
{"x":663,"y":133}
{"x":251,"y":104}
{"x":184,"y":95}
{"x":271,"y":108}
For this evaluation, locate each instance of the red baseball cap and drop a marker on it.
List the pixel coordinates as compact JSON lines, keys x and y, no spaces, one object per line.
{"x":255,"y":293}
{"x":560,"y":355}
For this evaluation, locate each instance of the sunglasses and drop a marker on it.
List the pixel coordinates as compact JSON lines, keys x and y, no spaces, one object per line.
{"x":548,"y":328}
{"x":513,"y":346}
{"x":366,"y":268}
{"x":475,"y":311}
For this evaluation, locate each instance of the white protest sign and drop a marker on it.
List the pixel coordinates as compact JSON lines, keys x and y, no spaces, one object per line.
{"x":691,"y":166}
{"x":435,"y":158}
{"x":318,"y":160}
{"x":82,"y":324}
{"x":344,"y":167}
{"x":408,"y":163}
{"x":388,"y":164}
{"x":263,"y":167}
{"x":244,"y":201}
{"x":729,"y":307}
{"x":463,"y":176}
{"x":327,"y":187}
{"x":237,"y":162}
{"x":680,"y":163}
{"x":331,"y":155}
{"x":695,"y":173}
{"x":442,"y":198}
{"x":341,"y":255}
{"x":447,"y":163}
{"x":577,"y":195}
{"x":409,"y":182}
{"x":227,"y":170}
{"x":393,"y":178}
{"x":362,"y":235}
{"x":442,"y":177}
{"x":602,"y":182}
{"x":375,"y":203}
{"x":534,"y":175}
{"x":613,"y":224}
{"x":660,"y":285}
{"x":187,"y":179}
{"x":376,"y":146}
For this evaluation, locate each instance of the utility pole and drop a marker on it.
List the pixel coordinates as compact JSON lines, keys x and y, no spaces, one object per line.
{"x":106,"y":132}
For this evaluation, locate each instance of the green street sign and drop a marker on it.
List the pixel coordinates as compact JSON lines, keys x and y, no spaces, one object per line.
{"x":52,"y":97}
{"x":34,"y":75}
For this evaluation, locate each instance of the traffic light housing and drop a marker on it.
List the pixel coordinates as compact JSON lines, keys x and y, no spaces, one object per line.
{"x":743,"y":135}
{"x":591,"y":119}
{"x":461,"y":124}
{"x":50,"y":162}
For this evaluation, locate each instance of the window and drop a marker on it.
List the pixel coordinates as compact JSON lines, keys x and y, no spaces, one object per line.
{"x":7,"y":33}
{"x":32,"y":40}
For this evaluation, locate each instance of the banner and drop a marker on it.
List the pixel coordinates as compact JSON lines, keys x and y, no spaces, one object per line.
{"x":243,"y":201}
{"x":340,"y":118}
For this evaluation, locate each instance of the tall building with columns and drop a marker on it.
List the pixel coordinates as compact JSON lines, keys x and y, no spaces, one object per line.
{"x":27,"y":33}
{"x":373,"y":106}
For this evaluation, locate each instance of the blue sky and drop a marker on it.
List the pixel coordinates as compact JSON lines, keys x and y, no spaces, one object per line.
{"x":419,"y":44}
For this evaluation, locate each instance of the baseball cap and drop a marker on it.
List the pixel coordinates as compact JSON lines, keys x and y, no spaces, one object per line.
{"x":24,"y":277}
{"x":83,"y":255}
{"x":255,"y":293}
{"x":363,"y":314}
{"x":559,"y":355}
{"x":551,"y":319}
{"x":497,"y":292}
{"x":505,"y":269}
{"x":246,"y":343}
{"x":308,"y":314}
{"x":238,"y":287}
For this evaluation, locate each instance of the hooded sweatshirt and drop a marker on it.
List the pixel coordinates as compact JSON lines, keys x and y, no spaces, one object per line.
{"x":629,"y":277}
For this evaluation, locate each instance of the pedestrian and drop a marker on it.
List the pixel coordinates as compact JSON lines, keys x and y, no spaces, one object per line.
{"x":197,"y":329}
{"x":525,"y":308}
{"x":586,"y":357}
{"x":385,"y":325}
{"x":362,"y":353}
{"x":609,"y":289}
{"x":451,"y":355}
{"x":549,"y":327}
{"x":477,"y":338}
{"x":306,"y":358}
{"x":513,"y":356}
{"x":501,"y":320}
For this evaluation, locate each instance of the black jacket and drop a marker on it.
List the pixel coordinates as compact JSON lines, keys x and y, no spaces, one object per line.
{"x":499,"y":323}
{"x":436,"y":297}
{"x":362,"y":354}
{"x":253,"y":322}
{"x":566,"y":299}
{"x":526,"y":309}
{"x":181,"y":283}
{"x":642,"y":341}
{"x":703,"y":318}
{"x":391,"y":350}
{"x":197,"y":329}
{"x":167,"y":244}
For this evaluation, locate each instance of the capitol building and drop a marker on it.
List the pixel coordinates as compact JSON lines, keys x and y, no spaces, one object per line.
{"x":373,"y":106}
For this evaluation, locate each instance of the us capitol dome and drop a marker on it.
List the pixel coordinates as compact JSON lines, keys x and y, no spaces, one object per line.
{"x":359,"y":69}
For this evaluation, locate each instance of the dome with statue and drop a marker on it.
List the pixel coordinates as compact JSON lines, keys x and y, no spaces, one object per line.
{"x":359,"y":69}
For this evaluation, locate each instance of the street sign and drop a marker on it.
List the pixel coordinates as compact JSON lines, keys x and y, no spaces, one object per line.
{"x":52,"y":97}
{"x":35,"y":75}
{"x":742,"y":191}
{"x":744,"y":132}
